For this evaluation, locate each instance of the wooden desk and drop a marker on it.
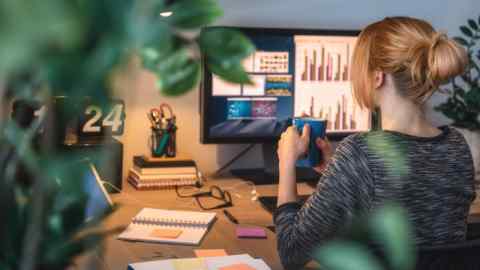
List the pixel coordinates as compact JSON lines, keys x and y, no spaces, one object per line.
{"x":118,"y":254}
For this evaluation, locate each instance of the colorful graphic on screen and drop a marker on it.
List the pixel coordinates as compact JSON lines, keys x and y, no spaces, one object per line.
{"x":239,"y":108}
{"x":252,"y":108}
{"x":322,"y":83}
{"x":278,"y":85}
{"x":264,"y":108}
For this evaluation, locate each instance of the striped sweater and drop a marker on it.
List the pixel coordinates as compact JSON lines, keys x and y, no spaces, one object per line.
{"x":432,"y":178}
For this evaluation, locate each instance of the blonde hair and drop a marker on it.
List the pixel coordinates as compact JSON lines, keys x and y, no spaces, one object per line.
{"x":418,"y":58}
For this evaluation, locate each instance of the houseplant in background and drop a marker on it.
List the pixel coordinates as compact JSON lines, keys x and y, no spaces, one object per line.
{"x":463,"y":103}
{"x":71,"y":48}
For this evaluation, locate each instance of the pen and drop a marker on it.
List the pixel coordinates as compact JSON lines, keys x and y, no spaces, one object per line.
{"x":230,"y":216}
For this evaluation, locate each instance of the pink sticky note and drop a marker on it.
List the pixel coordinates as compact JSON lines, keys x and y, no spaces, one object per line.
{"x":251,"y":232}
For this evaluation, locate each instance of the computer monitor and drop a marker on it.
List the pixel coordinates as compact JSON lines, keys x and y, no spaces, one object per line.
{"x":295,"y":73}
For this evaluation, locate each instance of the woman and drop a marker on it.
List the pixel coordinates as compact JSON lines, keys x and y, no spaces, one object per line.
{"x":397,"y":65}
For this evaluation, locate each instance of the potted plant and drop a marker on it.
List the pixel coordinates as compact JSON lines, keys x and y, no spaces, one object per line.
{"x":463,"y":103}
{"x":71,"y":48}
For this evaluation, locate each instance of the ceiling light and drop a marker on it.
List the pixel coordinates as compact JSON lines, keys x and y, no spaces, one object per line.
{"x":166,"y":14}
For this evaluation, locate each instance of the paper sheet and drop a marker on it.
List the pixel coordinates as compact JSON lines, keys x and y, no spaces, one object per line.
{"x":190,"y":264}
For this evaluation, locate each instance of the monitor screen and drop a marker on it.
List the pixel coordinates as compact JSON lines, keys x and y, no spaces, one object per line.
{"x":295,"y":73}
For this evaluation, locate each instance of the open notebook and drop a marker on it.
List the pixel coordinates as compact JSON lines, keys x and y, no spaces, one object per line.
{"x":235,"y":262}
{"x":166,"y":226}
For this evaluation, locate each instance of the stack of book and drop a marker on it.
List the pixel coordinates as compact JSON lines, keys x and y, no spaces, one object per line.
{"x":159,"y":173}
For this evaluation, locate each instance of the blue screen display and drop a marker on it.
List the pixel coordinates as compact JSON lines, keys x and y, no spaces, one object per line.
{"x":97,"y":202}
{"x":238,"y":109}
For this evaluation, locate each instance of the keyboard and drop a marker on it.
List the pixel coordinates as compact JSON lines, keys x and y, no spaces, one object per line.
{"x":270,"y":202}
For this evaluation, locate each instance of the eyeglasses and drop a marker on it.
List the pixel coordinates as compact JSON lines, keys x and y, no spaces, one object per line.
{"x":214,"y":192}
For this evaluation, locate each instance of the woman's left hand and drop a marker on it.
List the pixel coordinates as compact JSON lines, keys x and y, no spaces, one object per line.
{"x":292,"y":145}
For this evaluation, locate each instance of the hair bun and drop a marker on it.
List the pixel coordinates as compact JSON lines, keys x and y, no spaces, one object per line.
{"x":446,"y":59}
{"x":418,"y":58}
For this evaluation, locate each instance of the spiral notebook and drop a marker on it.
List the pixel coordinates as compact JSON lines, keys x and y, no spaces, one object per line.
{"x":167,"y":226}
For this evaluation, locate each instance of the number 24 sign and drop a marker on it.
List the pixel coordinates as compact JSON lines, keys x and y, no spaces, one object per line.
{"x":100,"y":121}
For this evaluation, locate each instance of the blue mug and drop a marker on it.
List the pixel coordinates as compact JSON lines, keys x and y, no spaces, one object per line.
{"x":317,"y":130}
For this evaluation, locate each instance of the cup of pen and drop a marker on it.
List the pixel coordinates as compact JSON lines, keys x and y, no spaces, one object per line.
{"x":163,"y":137}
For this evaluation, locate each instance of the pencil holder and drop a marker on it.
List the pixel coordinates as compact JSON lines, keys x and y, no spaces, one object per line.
{"x":163,"y":142}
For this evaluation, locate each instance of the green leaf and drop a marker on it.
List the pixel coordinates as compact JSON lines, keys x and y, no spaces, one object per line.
{"x":472,"y":24}
{"x":229,"y":70}
{"x":188,"y":14}
{"x":177,"y":73}
{"x":466,"y":31}
{"x":391,"y":228}
{"x":461,"y":41}
{"x":146,"y":29}
{"x":346,"y":255}
{"x":472,"y":99}
{"x":29,"y":28}
{"x":225,"y":44}
{"x":224,"y":50}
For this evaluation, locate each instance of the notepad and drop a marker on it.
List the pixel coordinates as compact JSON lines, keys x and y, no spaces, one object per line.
{"x":251,"y":232}
{"x":167,"y":226}
{"x":235,"y":262}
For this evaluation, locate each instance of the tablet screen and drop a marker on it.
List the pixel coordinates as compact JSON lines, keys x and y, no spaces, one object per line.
{"x":98,"y":200}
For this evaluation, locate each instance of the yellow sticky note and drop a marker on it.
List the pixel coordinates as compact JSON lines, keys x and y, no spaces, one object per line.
{"x":189,"y":264}
{"x":166,"y":233}
{"x":210,"y":252}
{"x":239,"y":266}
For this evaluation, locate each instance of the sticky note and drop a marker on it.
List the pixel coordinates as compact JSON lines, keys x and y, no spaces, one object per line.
{"x":210,"y":252}
{"x":166,"y":233}
{"x":239,"y":266}
{"x":189,"y":264}
{"x":251,"y":232}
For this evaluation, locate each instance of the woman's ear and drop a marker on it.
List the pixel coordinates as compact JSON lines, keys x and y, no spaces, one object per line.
{"x":379,"y":79}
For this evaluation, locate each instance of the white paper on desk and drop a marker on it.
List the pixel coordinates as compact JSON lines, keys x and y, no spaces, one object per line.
{"x":212,"y":263}
{"x":215,"y":263}
{"x":153,"y":265}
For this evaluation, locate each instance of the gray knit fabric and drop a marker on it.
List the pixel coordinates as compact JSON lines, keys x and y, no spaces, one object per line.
{"x":431,"y":177}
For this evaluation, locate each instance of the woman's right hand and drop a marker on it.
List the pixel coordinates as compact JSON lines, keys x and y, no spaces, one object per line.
{"x":326,"y":149}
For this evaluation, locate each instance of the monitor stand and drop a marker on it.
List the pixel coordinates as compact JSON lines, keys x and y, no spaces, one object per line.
{"x":269,"y":173}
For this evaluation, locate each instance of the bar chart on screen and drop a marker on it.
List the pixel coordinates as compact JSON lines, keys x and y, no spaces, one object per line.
{"x":322,"y":83}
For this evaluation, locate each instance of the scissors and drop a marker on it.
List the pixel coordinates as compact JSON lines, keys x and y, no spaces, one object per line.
{"x":155,"y":116}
